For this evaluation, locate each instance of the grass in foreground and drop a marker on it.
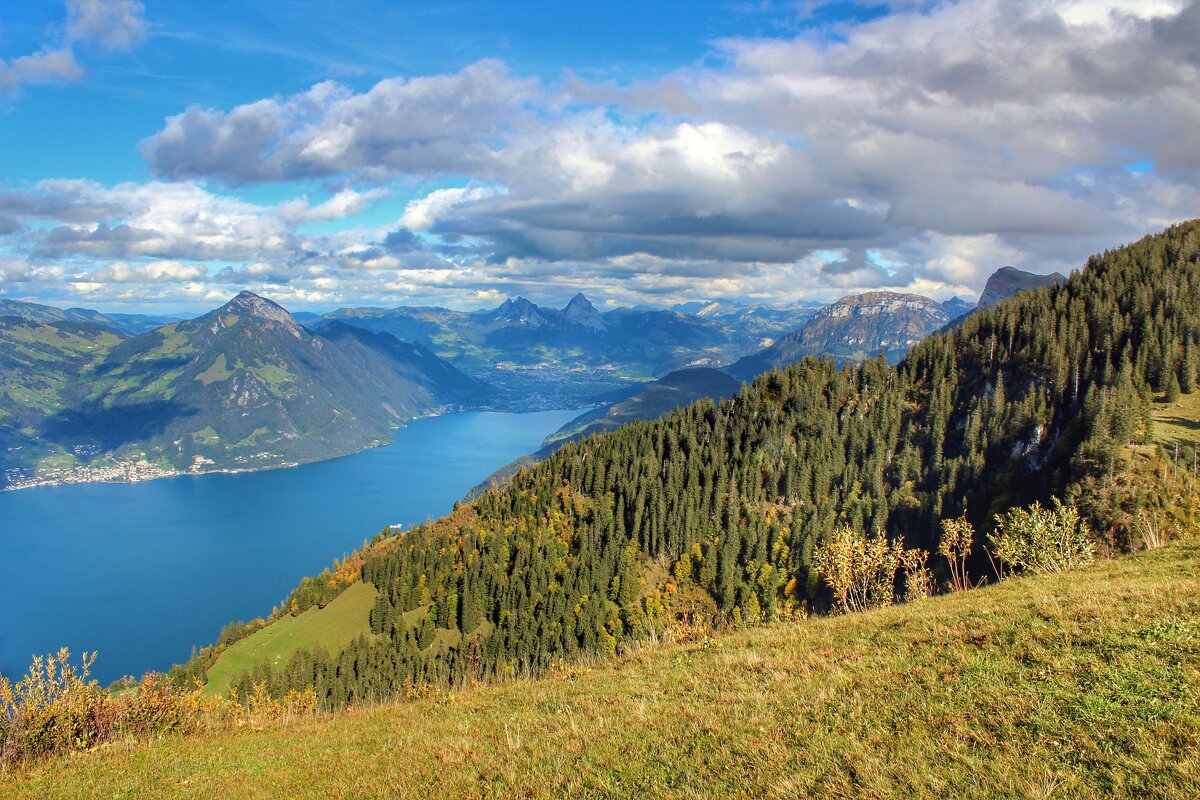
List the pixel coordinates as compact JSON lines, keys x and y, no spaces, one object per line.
{"x":1081,"y":685}
{"x":333,"y":627}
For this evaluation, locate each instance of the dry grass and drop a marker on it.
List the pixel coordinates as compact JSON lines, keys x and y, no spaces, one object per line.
{"x":1078,"y":685}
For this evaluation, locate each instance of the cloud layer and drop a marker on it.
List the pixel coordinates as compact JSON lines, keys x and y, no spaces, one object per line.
{"x":917,"y":151}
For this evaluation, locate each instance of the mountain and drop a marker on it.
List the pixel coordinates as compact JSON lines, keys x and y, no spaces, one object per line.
{"x":580,"y":313}
{"x":521,"y":313}
{"x":1007,"y":281}
{"x":128,"y":324}
{"x":955,"y":307}
{"x":853,"y":328}
{"x":133,"y":324}
{"x":756,"y":326}
{"x":35,"y":312}
{"x":710,"y":516}
{"x":548,"y":357}
{"x":40,"y":363}
{"x":243,"y":386}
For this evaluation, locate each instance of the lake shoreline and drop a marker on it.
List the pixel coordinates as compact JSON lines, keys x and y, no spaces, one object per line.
{"x":142,"y":471}
{"x":142,"y":572}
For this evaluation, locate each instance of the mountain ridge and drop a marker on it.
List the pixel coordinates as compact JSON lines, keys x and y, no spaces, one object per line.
{"x":242,"y":386}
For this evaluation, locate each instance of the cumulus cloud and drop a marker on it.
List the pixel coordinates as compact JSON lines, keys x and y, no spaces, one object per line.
{"x":346,"y":203}
{"x":423,"y":213}
{"x":456,"y":122}
{"x":47,"y":66}
{"x":916,"y":151}
{"x":180,"y":221}
{"x":153,"y":272}
{"x":110,"y":24}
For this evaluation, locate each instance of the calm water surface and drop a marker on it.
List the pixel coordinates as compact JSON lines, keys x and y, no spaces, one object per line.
{"x":142,"y":572}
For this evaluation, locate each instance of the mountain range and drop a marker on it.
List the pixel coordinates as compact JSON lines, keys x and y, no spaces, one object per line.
{"x":547,"y":357}
{"x":128,"y":324}
{"x":86,"y":395}
{"x":243,"y":386}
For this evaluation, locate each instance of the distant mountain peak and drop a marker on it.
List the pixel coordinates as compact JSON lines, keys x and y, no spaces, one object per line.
{"x":249,"y":304}
{"x":582,"y":313}
{"x":1007,"y":281}
{"x":877,"y":302}
{"x":520,"y":311}
{"x":580,"y":301}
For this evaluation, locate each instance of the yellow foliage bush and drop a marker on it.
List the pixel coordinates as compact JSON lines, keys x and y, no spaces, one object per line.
{"x":55,"y":709}
{"x":862,"y":571}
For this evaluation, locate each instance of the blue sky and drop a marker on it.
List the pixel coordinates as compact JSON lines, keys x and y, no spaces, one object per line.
{"x":164,"y":155}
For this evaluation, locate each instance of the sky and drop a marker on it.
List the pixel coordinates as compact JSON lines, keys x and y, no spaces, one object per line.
{"x":160,"y":156}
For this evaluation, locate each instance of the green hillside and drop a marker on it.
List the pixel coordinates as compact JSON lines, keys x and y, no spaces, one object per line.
{"x":1080,"y":685}
{"x":242,"y":387}
{"x":332,"y":627}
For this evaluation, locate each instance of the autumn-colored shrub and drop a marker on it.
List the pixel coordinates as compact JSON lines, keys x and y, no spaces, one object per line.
{"x":55,"y":709}
{"x":862,"y":571}
{"x":1043,"y":540}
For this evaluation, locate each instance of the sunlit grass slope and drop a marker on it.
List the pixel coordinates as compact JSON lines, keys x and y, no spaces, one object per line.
{"x":1083,"y":685}
{"x":1178,"y":421}
{"x":332,"y":627}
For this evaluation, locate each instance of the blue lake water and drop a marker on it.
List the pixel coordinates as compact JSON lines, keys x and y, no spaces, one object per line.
{"x":142,"y":572}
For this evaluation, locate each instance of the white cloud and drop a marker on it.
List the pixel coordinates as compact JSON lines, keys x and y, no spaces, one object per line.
{"x":110,"y":24}
{"x":345,"y":203}
{"x":152,"y":272}
{"x":923,"y":149}
{"x":113,"y":24}
{"x":47,"y":66}
{"x":422,"y":213}
{"x":419,"y":126}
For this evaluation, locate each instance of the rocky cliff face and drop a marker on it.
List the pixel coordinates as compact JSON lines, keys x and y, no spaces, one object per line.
{"x":871,"y":322}
{"x":855,"y":327}
{"x":1007,"y":281}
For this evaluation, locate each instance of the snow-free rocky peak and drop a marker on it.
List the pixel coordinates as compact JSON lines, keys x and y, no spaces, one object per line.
{"x":520,"y":311}
{"x":580,"y":312}
{"x":248,"y":304}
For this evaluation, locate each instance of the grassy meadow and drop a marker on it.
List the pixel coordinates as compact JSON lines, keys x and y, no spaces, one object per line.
{"x":332,"y":627}
{"x":1080,"y":685}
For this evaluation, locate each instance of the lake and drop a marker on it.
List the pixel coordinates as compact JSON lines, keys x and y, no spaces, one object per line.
{"x":143,"y":572}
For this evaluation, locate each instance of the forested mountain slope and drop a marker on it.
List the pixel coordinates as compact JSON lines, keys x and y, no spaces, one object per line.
{"x":243,"y":386}
{"x":1078,"y":685}
{"x":714,"y":512}
{"x":39,"y":364}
